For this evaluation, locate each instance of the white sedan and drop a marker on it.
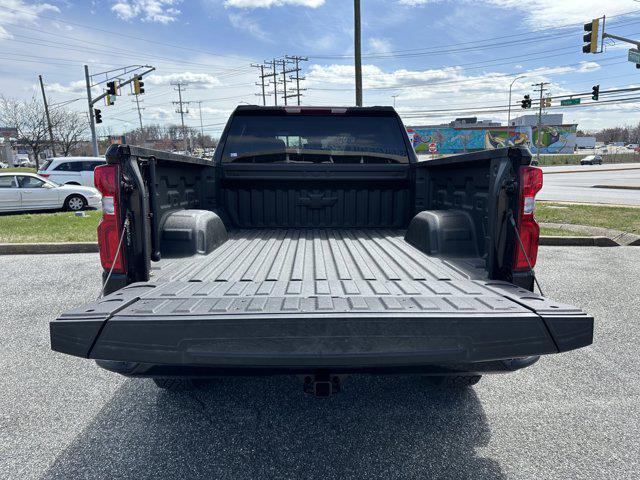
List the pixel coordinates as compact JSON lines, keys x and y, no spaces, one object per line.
{"x":28,"y":191}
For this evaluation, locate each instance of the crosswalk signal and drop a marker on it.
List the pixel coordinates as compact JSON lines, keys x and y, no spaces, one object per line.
{"x":591,"y":37}
{"x":526,"y":102}
{"x":98,"y":115}
{"x":112,"y":88}
{"x":138,"y":85}
{"x":595,"y":92}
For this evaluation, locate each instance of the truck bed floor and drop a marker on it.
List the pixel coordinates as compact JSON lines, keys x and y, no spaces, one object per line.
{"x":309,"y":255}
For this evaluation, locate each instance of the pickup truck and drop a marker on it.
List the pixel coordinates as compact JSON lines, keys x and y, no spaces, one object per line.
{"x":315,"y":243}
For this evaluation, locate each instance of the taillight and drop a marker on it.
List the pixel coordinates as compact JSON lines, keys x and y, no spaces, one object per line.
{"x":528,"y":228}
{"x":107,"y":181}
{"x":44,"y":175}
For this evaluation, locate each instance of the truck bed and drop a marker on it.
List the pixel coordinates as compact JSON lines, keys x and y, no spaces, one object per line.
{"x":318,"y":298}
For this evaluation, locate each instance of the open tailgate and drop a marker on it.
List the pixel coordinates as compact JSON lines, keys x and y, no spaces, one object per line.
{"x":320,"y":323}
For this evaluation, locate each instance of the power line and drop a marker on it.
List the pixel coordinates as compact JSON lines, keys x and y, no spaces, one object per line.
{"x":118,"y":34}
{"x":475,"y":43}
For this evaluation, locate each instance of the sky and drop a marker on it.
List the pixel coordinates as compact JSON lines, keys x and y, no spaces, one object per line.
{"x":436,"y":59}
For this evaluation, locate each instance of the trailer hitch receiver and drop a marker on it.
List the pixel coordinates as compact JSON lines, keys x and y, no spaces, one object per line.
{"x":322,"y":384}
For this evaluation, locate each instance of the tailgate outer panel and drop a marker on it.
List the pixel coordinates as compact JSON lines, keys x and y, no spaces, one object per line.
{"x":320,"y":323}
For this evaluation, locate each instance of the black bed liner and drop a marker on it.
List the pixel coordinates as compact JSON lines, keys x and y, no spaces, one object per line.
{"x":318,"y":298}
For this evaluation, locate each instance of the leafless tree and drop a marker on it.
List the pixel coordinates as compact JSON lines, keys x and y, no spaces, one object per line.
{"x":70,"y":129}
{"x":28,"y":118}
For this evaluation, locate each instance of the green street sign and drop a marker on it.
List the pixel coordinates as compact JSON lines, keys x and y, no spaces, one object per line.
{"x":634,"y":55}
{"x":570,"y":101}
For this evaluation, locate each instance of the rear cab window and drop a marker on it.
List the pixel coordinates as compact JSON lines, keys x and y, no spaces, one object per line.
{"x":315,"y":138}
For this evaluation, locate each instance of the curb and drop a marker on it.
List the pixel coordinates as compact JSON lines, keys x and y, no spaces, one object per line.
{"x":562,"y":241}
{"x":587,"y":171}
{"x":47,"y":248}
{"x":617,"y":187}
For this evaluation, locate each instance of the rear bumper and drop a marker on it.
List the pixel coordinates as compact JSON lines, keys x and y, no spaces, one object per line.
{"x":134,"y":369}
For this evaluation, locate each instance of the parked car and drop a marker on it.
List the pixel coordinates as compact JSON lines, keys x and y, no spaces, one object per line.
{"x":591,"y":160}
{"x":338,"y":254}
{"x":20,"y":158}
{"x":70,"y":170}
{"x":28,"y":191}
{"x":4,"y":165}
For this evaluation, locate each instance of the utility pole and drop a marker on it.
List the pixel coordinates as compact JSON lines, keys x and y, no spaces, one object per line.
{"x":139,"y":113}
{"x":542,"y":90}
{"x":92,"y":123}
{"x":201,"y":125}
{"x":262,"y":77}
{"x":297,"y":59}
{"x":358,"y":51}
{"x":46,"y":111}
{"x":181,"y":110}
{"x":275,"y":81}
{"x":284,"y":80}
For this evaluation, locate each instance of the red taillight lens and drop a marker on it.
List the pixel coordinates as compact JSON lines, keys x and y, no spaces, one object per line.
{"x":107,"y":181}
{"x":44,"y":175}
{"x":530,"y":184}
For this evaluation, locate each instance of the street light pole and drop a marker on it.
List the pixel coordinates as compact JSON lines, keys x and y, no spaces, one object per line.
{"x":509,"y":109}
{"x":394,"y":99}
{"x":357,"y":51}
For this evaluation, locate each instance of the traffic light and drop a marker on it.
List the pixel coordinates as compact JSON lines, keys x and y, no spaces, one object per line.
{"x":109,"y":100}
{"x":591,"y":37}
{"x":98,"y":115}
{"x":138,"y":85}
{"x":112,"y":87}
{"x":595,"y":92}
{"x":546,"y":102}
{"x":526,"y":102}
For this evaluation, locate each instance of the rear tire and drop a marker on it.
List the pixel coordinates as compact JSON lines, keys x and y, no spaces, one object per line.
{"x":75,"y":203}
{"x":455,"y":381}
{"x":175,"y":384}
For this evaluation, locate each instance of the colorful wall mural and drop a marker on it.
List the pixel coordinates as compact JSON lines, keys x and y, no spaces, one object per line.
{"x":554,"y":139}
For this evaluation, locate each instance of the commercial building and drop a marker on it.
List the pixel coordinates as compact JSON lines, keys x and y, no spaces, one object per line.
{"x":469,"y":134}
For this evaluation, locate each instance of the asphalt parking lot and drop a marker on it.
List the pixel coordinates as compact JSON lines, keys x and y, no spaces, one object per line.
{"x":575,"y":415}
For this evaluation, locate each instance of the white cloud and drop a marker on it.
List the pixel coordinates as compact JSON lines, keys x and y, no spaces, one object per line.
{"x":272,"y":3}
{"x":413,"y":3}
{"x":160,"y":11}
{"x":380,"y":45}
{"x":78,"y":86}
{"x":241,"y":21}
{"x":17,"y":11}
{"x":194,"y":80}
{"x":551,"y":13}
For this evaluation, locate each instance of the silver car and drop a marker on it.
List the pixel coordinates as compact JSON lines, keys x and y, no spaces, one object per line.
{"x":28,"y":191}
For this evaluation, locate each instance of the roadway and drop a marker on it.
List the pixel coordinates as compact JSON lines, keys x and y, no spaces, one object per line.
{"x":576,"y":184}
{"x":574,"y":415}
